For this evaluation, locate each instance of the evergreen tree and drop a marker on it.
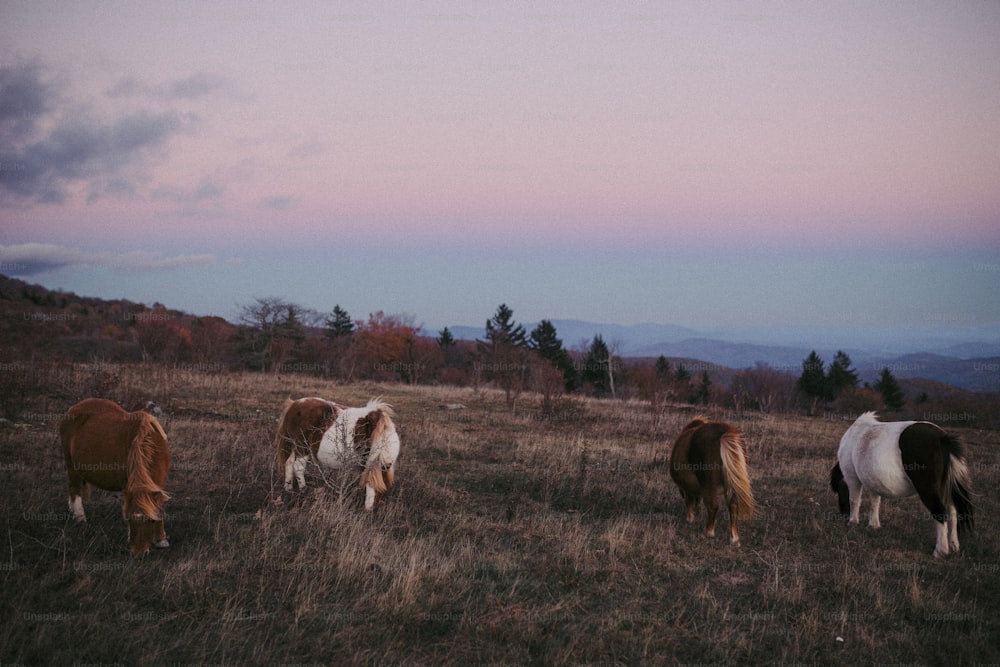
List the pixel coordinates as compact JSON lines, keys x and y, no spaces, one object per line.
{"x":501,"y":328}
{"x":445,"y":339}
{"x":504,"y":352}
{"x":682,"y":375}
{"x":892,"y":395}
{"x":339,"y":323}
{"x":663,"y":371}
{"x":547,"y":344}
{"x":813,"y":381}
{"x":841,"y":375}
{"x":704,"y":393}
{"x":595,"y":366}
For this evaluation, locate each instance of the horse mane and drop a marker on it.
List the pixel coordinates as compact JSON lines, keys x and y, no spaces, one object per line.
{"x":870,"y":417}
{"x":140,"y":485}
{"x":695,"y":423}
{"x":378,"y":404}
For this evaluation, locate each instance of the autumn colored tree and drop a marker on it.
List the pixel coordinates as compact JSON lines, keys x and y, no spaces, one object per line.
{"x":271,"y":330}
{"x":381,"y":344}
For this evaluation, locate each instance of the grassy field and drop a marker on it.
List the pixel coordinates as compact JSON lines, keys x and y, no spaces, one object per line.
{"x":510,"y":539}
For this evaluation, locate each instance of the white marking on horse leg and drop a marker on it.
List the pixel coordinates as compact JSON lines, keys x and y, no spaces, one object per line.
{"x":76,"y":509}
{"x":941,"y":548}
{"x":162,"y":544}
{"x":855,"y":503}
{"x":873,"y":521}
{"x":300,"y":471}
{"x":289,"y":471}
{"x":953,"y":528}
{"x":369,"y":498}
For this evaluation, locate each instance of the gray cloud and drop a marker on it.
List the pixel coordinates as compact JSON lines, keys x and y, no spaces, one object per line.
{"x":30,"y":258}
{"x":200,"y":84}
{"x":196,"y":85}
{"x":206,"y":190}
{"x":24,"y":99}
{"x":39,"y":161}
{"x":277,"y":203}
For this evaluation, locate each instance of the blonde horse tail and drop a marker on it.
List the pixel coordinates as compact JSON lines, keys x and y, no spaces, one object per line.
{"x":139,"y":483}
{"x":958,"y":482}
{"x":380,"y":472}
{"x":380,"y":480}
{"x":736,"y":475}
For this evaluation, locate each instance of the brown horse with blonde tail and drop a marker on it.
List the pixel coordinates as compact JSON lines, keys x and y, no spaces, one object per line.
{"x":107,"y":447}
{"x":709,"y":458}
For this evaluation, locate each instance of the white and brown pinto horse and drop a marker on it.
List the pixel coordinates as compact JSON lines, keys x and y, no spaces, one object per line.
{"x":339,"y":438}
{"x":709,"y":458}
{"x":115,"y":450}
{"x":898,"y":459}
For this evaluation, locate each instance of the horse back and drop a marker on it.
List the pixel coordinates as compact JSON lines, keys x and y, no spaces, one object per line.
{"x":696,"y":459}
{"x":302,"y":425}
{"x":96,"y":435}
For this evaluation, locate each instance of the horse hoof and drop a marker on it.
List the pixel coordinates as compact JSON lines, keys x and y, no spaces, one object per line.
{"x":162,"y":544}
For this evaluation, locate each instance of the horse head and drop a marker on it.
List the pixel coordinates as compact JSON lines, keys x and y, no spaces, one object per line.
{"x":144,"y":516}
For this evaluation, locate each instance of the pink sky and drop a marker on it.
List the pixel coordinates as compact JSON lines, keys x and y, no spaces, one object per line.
{"x":204,"y":127}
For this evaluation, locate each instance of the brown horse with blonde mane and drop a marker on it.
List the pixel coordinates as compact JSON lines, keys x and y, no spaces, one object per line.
{"x":709,"y":458}
{"x":112,"y":449}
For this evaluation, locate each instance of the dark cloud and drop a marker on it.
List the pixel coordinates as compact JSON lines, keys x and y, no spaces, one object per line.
{"x":40,"y":165}
{"x":24,"y":99}
{"x":196,"y":85}
{"x":206,"y":190}
{"x":277,"y":203}
{"x":31,"y":258}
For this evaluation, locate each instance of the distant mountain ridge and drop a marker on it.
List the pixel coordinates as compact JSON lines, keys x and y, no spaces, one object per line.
{"x":971,"y":364}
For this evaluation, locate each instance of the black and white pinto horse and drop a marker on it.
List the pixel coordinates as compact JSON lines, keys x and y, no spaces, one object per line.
{"x":898,"y":459}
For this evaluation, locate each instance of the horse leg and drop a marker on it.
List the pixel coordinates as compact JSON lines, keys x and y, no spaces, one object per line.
{"x":77,"y":488}
{"x":953,"y":528}
{"x":289,"y":472}
{"x":691,"y":503}
{"x":299,"y":467}
{"x":734,"y":533}
{"x":873,"y":521}
{"x":712,"y":508}
{"x":942,"y":516}
{"x":855,"y":490}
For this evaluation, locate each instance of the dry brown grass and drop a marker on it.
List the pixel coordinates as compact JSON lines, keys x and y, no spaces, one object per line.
{"x":510,"y":538}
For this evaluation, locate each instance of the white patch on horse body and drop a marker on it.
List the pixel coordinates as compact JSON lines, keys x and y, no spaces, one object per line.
{"x":869,"y":453}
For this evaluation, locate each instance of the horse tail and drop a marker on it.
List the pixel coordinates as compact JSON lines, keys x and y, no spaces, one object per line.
{"x":379,"y":472}
{"x":282,"y":443}
{"x":736,"y":475}
{"x":145,"y":492}
{"x":957,"y":481}
{"x":378,"y":479}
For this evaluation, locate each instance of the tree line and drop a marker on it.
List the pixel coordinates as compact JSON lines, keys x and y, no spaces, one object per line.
{"x":274,"y":335}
